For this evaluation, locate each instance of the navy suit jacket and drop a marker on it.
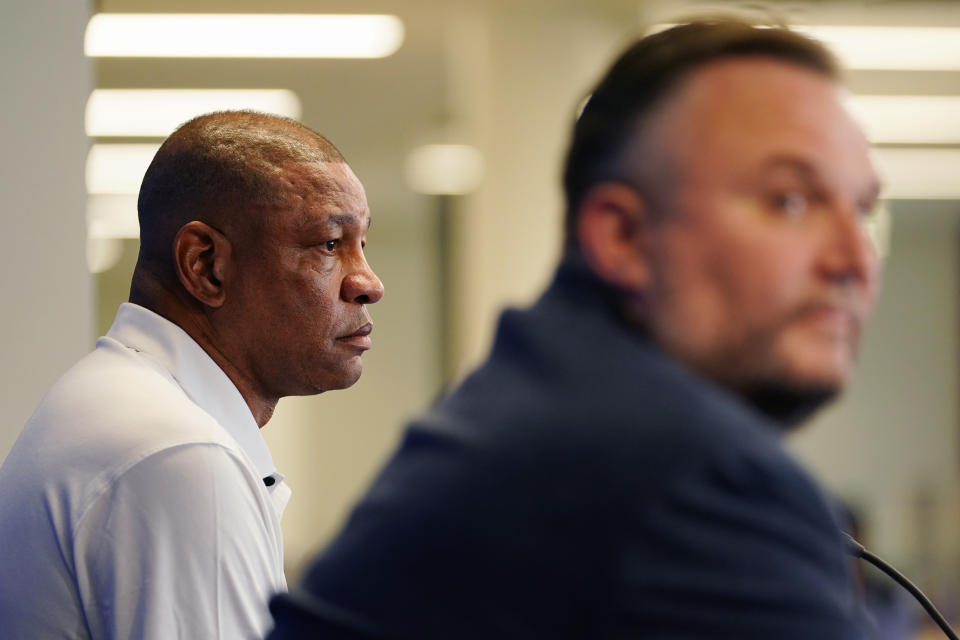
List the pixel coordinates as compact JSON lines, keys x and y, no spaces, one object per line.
{"x":580,"y":484}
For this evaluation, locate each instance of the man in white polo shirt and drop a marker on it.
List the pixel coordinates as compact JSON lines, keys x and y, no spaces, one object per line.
{"x":141,"y":501}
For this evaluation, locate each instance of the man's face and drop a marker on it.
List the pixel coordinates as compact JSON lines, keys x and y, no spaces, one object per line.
{"x":300,"y":308}
{"x":762,"y":270}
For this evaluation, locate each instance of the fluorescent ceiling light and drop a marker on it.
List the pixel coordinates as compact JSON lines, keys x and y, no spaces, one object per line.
{"x":110,"y":219}
{"x":206,"y":35}
{"x":444,"y":169}
{"x":103,"y":254}
{"x":920,"y":174}
{"x":887,"y":48}
{"x":112,"y":216}
{"x":909,"y":119}
{"x":893,"y":48}
{"x":157,"y":112}
{"x":118,"y":168}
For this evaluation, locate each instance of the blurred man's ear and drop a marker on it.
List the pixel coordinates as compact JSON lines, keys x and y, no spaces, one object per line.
{"x":202,"y":257}
{"x":612,"y":230}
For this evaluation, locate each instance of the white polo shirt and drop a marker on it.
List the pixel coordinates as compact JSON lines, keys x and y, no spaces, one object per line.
{"x":134,"y":503}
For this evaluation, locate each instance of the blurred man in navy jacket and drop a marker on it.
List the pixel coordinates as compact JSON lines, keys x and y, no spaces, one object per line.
{"x":615,"y":468}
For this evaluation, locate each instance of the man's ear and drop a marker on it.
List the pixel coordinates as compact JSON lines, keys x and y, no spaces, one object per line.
{"x":613,"y":226}
{"x":202,"y":257}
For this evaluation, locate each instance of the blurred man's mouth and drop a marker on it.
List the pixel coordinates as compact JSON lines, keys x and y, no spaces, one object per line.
{"x":835,"y":322}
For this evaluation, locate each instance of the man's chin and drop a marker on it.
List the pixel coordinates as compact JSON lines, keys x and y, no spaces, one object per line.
{"x":332,"y":381}
{"x":789,"y":406}
{"x":347,"y":378}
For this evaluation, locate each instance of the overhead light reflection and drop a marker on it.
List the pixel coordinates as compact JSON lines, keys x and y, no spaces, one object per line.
{"x":920,"y":174}
{"x":891,"y":48}
{"x":908,"y":119}
{"x":444,"y":169}
{"x":883,"y":47}
{"x":157,"y":112}
{"x":112,"y":216}
{"x":207,"y":35}
{"x":118,"y":168}
{"x":103,"y":253}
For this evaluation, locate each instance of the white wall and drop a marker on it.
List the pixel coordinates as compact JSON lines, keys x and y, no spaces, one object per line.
{"x":44,"y":285}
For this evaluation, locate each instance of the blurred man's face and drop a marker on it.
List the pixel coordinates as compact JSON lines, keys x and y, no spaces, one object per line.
{"x":305,"y":284}
{"x":763,"y":272}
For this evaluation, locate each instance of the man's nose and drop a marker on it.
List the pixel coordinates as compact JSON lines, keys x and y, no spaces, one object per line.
{"x":851,"y":255}
{"x":362,"y":285}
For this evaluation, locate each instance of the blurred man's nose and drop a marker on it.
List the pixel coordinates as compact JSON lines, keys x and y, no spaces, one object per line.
{"x":851,"y":254}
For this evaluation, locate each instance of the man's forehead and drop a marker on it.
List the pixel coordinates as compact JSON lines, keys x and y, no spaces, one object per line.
{"x":327,"y":193}
{"x":746,"y":85}
{"x":332,"y":212}
{"x":318,"y":178}
{"x":727,"y":117}
{"x":761,"y":101}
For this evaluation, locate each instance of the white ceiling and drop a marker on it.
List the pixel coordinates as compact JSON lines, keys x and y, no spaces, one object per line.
{"x":377,"y":110}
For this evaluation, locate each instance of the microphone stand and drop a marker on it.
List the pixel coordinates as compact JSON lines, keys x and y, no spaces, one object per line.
{"x":857,"y":550}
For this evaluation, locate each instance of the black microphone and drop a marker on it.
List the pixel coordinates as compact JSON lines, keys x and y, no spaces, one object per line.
{"x":857,"y":550}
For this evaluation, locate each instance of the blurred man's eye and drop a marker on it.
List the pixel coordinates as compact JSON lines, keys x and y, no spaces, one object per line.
{"x":791,"y":203}
{"x":330,"y":245}
{"x":868,"y":210}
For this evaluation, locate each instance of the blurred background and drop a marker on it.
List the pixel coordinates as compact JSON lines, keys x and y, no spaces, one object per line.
{"x":456,"y":119}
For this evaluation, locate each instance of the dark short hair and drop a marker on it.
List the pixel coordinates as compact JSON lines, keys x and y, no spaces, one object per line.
{"x":642,"y":76}
{"x":223,"y":163}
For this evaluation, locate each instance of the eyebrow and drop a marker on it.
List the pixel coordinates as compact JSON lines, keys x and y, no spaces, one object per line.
{"x":338,"y":219}
{"x":346,"y":219}
{"x":802,"y":167}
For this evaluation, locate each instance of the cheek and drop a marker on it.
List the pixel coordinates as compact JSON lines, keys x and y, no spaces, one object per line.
{"x":759,"y":290}
{"x":694,"y":295}
{"x":725,"y":282}
{"x":764,"y":277}
{"x":720,"y":281}
{"x":317,"y":295}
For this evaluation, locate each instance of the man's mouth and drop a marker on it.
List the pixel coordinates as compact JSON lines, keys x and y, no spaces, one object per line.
{"x":838,"y":321}
{"x":360,"y":338}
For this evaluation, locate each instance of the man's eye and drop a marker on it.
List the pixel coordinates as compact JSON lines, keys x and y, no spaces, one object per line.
{"x":792,"y":203}
{"x":867,"y":210}
{"x":330,"y":245}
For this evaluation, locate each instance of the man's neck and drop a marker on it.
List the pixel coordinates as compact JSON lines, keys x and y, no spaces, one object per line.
{"x":173,"y":303}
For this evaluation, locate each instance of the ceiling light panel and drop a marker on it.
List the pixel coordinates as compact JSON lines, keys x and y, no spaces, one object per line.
{"x":908,"y":119}
{"x":444,"y":169}
{"x":118,"y":168}
{"x":157,"y":112}
{"x":883,"y":48}
{"x":112,"y":216}
{"x":891,"y":48}
{"x":170,"y":35}
{"x":920,"y":174}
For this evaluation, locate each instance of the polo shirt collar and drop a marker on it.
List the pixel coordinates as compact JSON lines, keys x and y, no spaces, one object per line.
{"x":204,"y":382}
